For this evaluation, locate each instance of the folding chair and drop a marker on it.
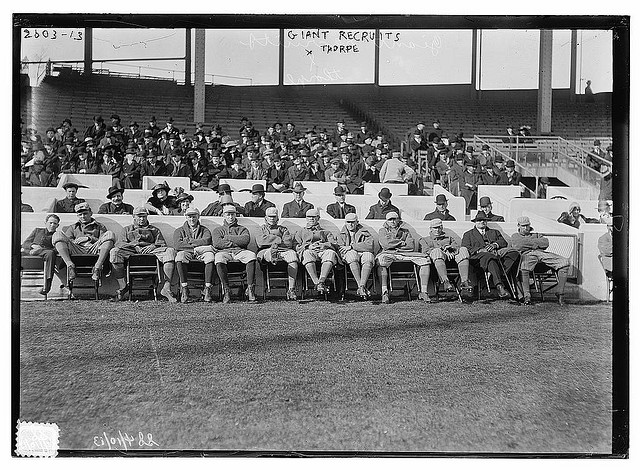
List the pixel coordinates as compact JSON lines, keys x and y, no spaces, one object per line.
{"x":272,"y":273}
{"x":32,"y":271}
{"x":404,"y":271}
{"x":542,"y":274}
{"x":331,"y":278}
{"x":453,"y":274}
{"x":143,"y":267}
{"x":236,"y":273}
{"x":609,"y":276}
{"x":195,"y":275}
{"x":84,"y":268}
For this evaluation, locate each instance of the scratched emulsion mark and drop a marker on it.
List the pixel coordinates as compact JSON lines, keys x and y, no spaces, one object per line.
{"x":434,"y":45}
{"x":155,"y":353}
{"x":37,"y":439}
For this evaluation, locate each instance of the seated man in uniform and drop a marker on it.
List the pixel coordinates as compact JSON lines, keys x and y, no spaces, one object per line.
{"x":258,"y":204}
{"x":486,"y":206}
{"x":441,"y":211}
{"x":142,"y":238}
{"x":298,"y":207}
{"x":533,"y":248}
{"x":231,"y":241}
{"x":87,"y":236}
{"x":39,"y":243}
{"x":381,"y":208}
{"x":313,"y":243}
{"x":117,"y":204}
{"x":160,"y":202}
{"x":398,"y":245}
{"x":193,"y":241}
{"x":355,"y":246}
{"x":69,"y":203}
{"x":275,"y":243}
{"x":339,"y":209}
{"x":442,"y":247}
{"x":483,"y":245}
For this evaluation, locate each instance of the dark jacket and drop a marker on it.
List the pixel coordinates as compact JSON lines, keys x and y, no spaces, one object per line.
{"x":334,"y":210}
{"x":39,"y":236}
{"x":185,"y":240}
{"x":378,"y":212}
{"x":474,"y":241}
{"x":295,"y":210}
{"x":436,"y":214}
{"x":253,"y":210}
{"x":230,"y":237}
{"x":111,"y":208}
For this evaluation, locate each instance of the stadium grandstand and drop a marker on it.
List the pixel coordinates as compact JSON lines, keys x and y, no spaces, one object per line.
{"x":100,"y":131}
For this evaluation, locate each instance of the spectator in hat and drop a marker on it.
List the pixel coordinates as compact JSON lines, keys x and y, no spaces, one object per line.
{"x":256,"y":172}
{"x":116,"y":204}
{"x":488,"y":175}
{"x":170,"y":129}
{"x":153,"y":165}
{"x":335,"y":172}
{"x":194,"y":241}
{"x":153,"y":127}
{"x":224,"y":197}
{"x":436,"y":131}
{"x":141,"y":238}
{"x":379,"y":209}
{"x":87,"y":236}
{"x":605,"y":209}
{"x":37,"y":175}
{"x":160,"y":202}
{"x":236,"y":171}
{"x":134,"y":134}
{"x":363,"y":134}
{"x":69,"y":203}
{"x":178,"y":167}
{"x":339,"y":209}
{"x":298,"y":171}
{"x":258,"y":205}
{"x":355,"y":247}
{"x":111,"y":166}
{"x":183,"y":202}
{"x":469,"y":186}
{"x":371,"y":173}
{"x":230,"y":242}
{"x":199,"y":170}
{"x":588,"y":93}
{"x":606,"y":188}
{"x":313,"y":243}
{"x":417,"y":143}
{"x":96,"y":130}
{"x":298,"y":207}
{"x":290,"y":132}
{"x":39,"y":243}
{"x":500,"y":170}
{"x":543,"y":184}
{"x":486,"y":206}
{"x":130,"y":173}
{"x":441,"y":212}
{"x":533,"y":249}
{"x":395,"y":170}
{"x":278,"y":176}
{"x":275,"y":243}
{"x":574,"y":217}
{"x":354,"y":173}
{"x":483,"y":244}
{"x":315,"y":172}
{"x":217,"y":170}
{"x":513,"y":176}
{"x":442,"y":246}
{"x":398,"y":244}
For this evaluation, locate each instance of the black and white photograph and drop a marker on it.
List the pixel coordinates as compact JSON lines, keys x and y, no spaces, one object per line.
{"x":319,"y":235}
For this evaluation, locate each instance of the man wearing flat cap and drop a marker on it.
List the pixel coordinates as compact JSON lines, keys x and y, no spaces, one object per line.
{"x":355,"y":247}
{"x":160,"y":202}
{"x":87,"y":236}
{"x":275,"y":243}
{"x":258,"y":205}
{"x":398,"y":244}
{"x":145,"y":239}
{"x":230,"y":242}
{"x":117,"y":204}
{"x":298,"y":207}
{"x":69,"y":203}
{"x":483,"y":244}
{"x":486,"y":206}
{"x":380,"y":209}
{"x":441,"y":212}
{"x":533,"y":249}
{"x":193,"y":241}
{"x":339,"y":209}
{"x":313,"y":243}
{"x":442,"y":247}
{"x":224,"y":197}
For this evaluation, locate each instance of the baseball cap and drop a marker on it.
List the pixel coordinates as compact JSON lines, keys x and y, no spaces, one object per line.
{"x":351,"y":217}
{"x":524,"y":220}
{"x":140,"y":211}
{"x":229,"y":209}
{"x":392,"y":215}
{"x":312,"y":213}
{"x":271,"y":211}
{"x":83,"y":206}
{"x":192,"y":211}
{"x":436,"y":223}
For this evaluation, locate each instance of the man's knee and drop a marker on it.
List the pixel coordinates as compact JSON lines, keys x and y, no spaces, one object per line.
{"x":108,"y":236}
{"x":59,"y":237}
{"x":436,"y":254}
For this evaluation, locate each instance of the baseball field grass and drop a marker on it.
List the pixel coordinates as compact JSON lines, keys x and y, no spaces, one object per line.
{"x":319,"y":376}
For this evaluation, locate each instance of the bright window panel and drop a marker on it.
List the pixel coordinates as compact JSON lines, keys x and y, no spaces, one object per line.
{"x":510,"y":59}
{"x":595,"y":60}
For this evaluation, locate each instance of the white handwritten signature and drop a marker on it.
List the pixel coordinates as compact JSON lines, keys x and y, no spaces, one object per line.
{"x":328,"y":75}
{"x":124,"y":441}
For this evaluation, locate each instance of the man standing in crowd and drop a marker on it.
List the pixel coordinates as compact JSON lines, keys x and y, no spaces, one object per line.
{"x":193,"y":241}
{"x":532,"y":247}
{"x":87,"y":236}
{"x":117,"y":204}
{"x":355,"y":246}
{"x":231,"y":241}
{"x":275,"y":243}
{"x":145,"y":239}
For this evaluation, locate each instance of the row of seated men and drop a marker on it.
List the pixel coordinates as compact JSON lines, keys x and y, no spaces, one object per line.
{"x":163,"y":202}
{"x":483,"y":248}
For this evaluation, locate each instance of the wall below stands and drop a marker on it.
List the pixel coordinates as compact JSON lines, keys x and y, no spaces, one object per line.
{"x":589,"y":287}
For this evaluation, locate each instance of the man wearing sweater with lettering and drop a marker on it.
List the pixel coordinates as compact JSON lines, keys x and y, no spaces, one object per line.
{"x":231,"y":241}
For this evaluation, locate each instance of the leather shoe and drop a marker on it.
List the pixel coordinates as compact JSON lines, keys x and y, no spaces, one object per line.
{"x":207,"y":294}
{"x":96,"y":273}
{"x":291,"y":295}
{"x":424,"y":297}
{"x":385,"y":298}
{"x":71,"y":271}
{"x":120,"y":293}
{"x":447,"y":286}
{"x":166,"y":292}
{"x":184,"y":295}
{"x":251,"y":295}
{"x":226,"y":298}
{"x":502,"y":293}
{"x":560,"y":299}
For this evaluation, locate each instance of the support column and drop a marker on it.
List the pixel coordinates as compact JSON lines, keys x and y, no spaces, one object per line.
{"x":281,"y":58}
{"x":544,"y":82}
{"x":88,"y":51}
{"x":573,"y":75}
{"x":376,"y":59}
{"x":198,"y":89}
{"x":474,"y":63}
{"x":187,"y":58}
